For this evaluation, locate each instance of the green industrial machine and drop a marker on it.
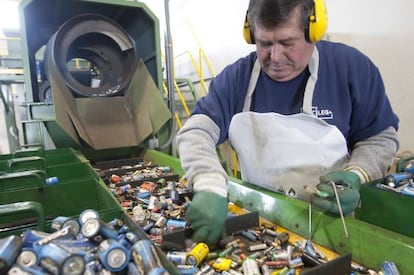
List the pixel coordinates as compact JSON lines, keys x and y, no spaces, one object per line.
{"x":55,"y":121}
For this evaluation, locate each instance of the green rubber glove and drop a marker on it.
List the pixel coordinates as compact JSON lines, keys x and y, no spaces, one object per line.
{"x":207,"y":214}
{"x":347,"y":185}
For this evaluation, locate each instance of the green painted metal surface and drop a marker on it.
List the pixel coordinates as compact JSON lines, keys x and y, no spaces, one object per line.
{"x":387,"y":209}
{"x":79,"y":188}
{"x":369,"y":244}
{"x":46,"y":16}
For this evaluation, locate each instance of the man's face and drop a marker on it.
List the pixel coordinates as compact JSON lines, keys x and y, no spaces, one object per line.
{"x":283,"y":52}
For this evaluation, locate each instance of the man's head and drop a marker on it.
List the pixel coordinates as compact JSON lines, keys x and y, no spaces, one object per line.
{"x":278,"y":28}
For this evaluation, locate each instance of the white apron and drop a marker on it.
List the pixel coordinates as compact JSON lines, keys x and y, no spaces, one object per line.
{"x":283,"y":153}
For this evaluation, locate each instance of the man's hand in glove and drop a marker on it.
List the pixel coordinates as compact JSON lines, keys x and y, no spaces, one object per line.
{"x":347,"y":185}
{"x":207,"y":214}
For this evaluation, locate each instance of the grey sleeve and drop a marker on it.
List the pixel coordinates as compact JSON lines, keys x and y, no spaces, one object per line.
{"x":196,"y":142}
{"x":376,"y":154}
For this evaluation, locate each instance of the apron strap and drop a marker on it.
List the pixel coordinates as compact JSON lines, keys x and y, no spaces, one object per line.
{"x":310,"y":84}
{"x":252,"y":85}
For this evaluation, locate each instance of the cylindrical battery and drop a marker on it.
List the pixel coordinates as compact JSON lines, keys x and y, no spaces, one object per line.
{"x":9,"y":249}
{"x":161,"y":221}
{"x":113,"y":255}
{"x":51,"y":181}
{"x":138,"y":214}
{"x":87,"y":214}
{"x":177,"y":223}
{"x":31,"y":236}
{"x":174,"y":196}
{"x":197,"y":254}
{"x":256,"y":247}
{"x":153,"y":203}
{"x":27,"y":257}
{"x":26,"y":270}
{"x":250,"y":267}
{"x":177,"y":257}
{"x":95,"y":227}
{"x":282,"y":238}
{"x":58,"y":260}
{"x":59,"y":222}
{"x":145,"y":254}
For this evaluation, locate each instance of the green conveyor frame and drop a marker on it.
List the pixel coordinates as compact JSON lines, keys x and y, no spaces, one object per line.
{"x":370,"y":245}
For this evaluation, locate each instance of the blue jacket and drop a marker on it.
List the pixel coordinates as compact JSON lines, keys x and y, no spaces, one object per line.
{"x":349,"y":93}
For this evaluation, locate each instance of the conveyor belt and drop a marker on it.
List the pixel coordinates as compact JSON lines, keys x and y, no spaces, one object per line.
{"x":370,"y":245}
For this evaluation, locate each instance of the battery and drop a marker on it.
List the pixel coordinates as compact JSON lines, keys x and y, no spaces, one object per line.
{"x":58,"y":260}
{"x":94,"y":229}
{"x":26,"y":270}
{"x":59,"y":222}
{"x":250,"y":267}
{"x":177,"y":223}
{"x":177,"y":257}
{"x":9,"y":249}
{"x":256,"y":247}
{"x":197,"y":254}
{"x":51,"y":181}
{"x":31,"y":236}
{"x":113,"y":255}
{"x":27,"y":257}
{"x":86,"y":214}
{"x":145,"y":255}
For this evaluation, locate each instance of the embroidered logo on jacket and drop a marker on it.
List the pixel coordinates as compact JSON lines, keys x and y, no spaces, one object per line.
{"x":322,"y":114}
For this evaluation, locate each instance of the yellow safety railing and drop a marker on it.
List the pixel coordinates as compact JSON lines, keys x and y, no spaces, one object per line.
{"x":176,"y":116}
{"x":198,"y":68}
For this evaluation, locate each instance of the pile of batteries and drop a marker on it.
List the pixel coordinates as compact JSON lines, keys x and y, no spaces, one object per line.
{"x":158,"y":206}
{"x":86,"y":245}
{"x":401,"y":182}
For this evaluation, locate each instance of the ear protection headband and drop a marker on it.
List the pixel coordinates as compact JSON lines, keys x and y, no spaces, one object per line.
{"x":314,"y":30}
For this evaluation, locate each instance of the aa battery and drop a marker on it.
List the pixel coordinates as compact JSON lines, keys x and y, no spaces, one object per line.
{"x":177,"y":257}
{"x":205,"y":270}
{"x":145,"y":255}
{"x":9,"y":249}
{"x":174,"y":196}
{"x":256,"y":247}
{"x":113,"y":255}
{"x":249,"y":235}
{"x":58,"y":260}
{"x":197,"y":254}
{"x":250,"y":267}
{"x":187,"y":269}
{"x":176,"y":223}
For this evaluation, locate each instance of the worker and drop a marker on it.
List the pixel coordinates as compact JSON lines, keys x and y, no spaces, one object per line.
{"x":299,"y":110}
